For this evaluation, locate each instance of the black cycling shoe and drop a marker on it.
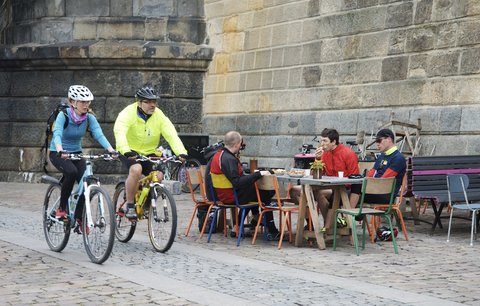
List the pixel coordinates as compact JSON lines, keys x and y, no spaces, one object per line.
{"x":130,"y":212}
{"x":275,"y":236}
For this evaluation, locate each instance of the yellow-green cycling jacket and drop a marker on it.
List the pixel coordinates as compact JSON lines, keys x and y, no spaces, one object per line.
{"x":132,"y":133}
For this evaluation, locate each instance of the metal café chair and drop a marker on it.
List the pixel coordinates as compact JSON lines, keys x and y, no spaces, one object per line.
{"x":374,"y":186}
{"x":195,"y":178}
{"x":221,"y":181}
{"x":285,"y":207}
{"x":458,"y":184}
{"x":395,"y":208}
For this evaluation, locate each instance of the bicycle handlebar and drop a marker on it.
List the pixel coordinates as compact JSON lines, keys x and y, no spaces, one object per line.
{"x":158,"y":159}
{"x":78,"y":156}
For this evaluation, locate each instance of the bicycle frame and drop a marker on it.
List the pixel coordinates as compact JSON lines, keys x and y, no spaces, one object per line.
{"x":147,"y":183}
{"x":82,"y":188}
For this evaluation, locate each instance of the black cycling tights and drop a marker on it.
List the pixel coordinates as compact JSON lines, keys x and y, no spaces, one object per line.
{"x":72,"y":171}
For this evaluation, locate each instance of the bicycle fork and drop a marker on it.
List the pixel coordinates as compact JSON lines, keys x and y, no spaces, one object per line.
{"x":88,"y":210}
{"x":153,"y":205}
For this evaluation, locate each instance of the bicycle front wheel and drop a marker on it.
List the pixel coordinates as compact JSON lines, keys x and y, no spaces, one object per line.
{"x":182,"y":173}
{"x":57,"y":232}
{"x":162,"y":219}
{"x":98,"y":236}
{"x":125,"y":228}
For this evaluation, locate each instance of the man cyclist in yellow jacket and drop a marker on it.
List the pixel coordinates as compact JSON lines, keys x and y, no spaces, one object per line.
{"x":137,"y":130}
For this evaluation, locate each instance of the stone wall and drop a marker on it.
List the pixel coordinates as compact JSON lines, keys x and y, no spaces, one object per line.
{"x":283,"y":70}
{"x":112,"y":47}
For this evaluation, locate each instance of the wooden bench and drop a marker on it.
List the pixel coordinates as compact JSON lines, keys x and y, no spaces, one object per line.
{"x":427,"y":180}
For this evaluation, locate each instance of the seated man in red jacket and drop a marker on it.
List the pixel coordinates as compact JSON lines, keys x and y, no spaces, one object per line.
{"x":337,"y":158}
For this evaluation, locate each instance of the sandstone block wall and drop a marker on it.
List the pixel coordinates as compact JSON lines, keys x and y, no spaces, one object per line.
{"x":112,"y":47}
{"x":284,"y":70}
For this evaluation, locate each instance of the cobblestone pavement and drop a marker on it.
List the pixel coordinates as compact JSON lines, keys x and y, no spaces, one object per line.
{"x":427,"y":271}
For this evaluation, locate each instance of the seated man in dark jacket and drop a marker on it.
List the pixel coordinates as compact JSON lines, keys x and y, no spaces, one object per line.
{"x":226,"y":162}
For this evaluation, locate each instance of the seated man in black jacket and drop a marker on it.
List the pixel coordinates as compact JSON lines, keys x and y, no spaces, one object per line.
{"x":226,"y":162}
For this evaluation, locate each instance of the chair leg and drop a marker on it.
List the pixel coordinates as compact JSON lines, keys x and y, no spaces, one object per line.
{"x":449,"y":225}
{"x":257,"y":227}
{"x":354,"y":234}
{"x":225,"y":225}
{"x":363,"y":231}
{"x":393,"y":234}
{"x":205,"y":223}
{"x":282,"y":230}
{"x":473,"y":226}
{"x":402,"y":223}
{"x":290,"y":234}
{"x":334,"y":232}
{"x":214,"y":221}
{"x":368,"y":226}
{"x":476,"y":223}
{"x":425,"y":205}
{"x":191,"y":220}
{"x":374,"y":226}
{"x":240,"y":230}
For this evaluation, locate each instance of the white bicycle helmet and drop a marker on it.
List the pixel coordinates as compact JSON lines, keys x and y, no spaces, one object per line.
{"x":80,"y":93}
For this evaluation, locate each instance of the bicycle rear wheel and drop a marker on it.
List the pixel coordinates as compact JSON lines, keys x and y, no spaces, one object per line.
{"x":98,"y":239}
{"x":57,"y":232}
{"x":124,"y":229}
{"x":162,"y":219}
{"x":182,"y":173}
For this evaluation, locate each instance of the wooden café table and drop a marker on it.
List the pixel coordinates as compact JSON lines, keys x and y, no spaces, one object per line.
{"x":307,"y":201}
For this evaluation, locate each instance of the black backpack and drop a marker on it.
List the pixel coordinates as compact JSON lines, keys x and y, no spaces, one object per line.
{"x":61,"y":107}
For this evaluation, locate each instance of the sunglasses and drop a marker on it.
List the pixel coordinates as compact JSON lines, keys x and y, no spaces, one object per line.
{"x":84,"y":102}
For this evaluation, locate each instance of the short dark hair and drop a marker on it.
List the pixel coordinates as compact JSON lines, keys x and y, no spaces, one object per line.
{"x":385,"y":133}
{"x":332,"y":134}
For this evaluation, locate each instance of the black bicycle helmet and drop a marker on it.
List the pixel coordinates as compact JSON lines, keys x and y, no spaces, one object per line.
{"x":146,"y":93}
{"x":384,"y":233}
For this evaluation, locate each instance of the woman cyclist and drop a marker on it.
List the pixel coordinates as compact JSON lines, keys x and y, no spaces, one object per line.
{"x":69,"y":140}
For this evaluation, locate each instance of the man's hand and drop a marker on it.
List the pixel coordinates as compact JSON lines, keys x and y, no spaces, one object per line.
{"x":132,"y":155}
{"x":114,"y":154}
{"x":160,"y":176}
{"x":183,"y":157}
{"x":319,"y":153}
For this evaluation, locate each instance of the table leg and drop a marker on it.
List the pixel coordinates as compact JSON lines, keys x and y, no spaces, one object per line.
{"x":413,"y":207}
{"x":437,"y":214}
{"x":340,"y":193}
{"x":302,"y":204}
{"x":317,"y":219}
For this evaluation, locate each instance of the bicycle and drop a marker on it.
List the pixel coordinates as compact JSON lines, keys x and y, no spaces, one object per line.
{"x":207,"y":152}
{"x":98,"y":220}
{"x":153,"y":202}
{"x":176,"y":170}
{"x":303,"y":159}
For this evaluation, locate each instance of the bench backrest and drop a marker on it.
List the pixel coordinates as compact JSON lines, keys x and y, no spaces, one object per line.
{"x":425,"y":173}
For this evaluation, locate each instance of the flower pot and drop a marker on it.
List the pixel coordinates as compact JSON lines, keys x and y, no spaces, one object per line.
{"x":316,"y":173}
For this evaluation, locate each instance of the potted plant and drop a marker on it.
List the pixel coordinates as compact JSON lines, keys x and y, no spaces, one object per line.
{"x":316,"y":169}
